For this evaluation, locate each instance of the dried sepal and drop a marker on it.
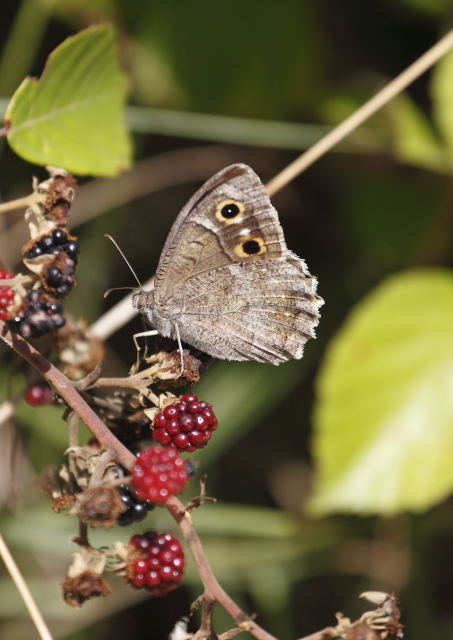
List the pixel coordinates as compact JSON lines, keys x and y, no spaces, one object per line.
{"x":80,"y":349}
{"x":84,"y":580}
{"x":54,"y":197}
{"x":98,"y":506}
{"x":100,"y":503}
{"x":126,"y":555}
{"x":166,"y":369}
{"x":380,"y":624}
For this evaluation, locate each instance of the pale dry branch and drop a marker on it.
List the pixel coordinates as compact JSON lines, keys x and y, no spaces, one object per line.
{"x":390,"y":91}
{"x":24,"y":591}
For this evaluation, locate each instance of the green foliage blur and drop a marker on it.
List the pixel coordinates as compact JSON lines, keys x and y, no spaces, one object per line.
{"x":333,"y":474}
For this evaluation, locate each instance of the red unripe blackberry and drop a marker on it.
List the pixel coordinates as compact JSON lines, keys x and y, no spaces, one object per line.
{"x":187,"y":425}
{"x":6,"y":275}
{"x":6,"y":294}
{"x":38,"y":394}
{"x":158,"y":474}
{"x":159,"y":563}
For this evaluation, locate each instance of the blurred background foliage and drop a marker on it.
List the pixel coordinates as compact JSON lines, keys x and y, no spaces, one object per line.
{"x":333,"y":474}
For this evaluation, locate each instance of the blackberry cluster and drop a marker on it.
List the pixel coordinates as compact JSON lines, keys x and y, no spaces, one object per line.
{"x":59,"y":275}
{"x":187,"y":425}
{"x":136,"y":511}
{"x":38,"y":394}
{"x":158,"y":474}
{"x":6,"y":294}
{"x":158,"y":563}
{"x":39,"y":315}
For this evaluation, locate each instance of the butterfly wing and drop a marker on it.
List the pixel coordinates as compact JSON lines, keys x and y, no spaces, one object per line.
{"x":227,"y":277}
{"x":229,"y":219}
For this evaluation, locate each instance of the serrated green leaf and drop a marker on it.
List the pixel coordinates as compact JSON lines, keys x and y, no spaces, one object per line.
{"x":73,"y":116}
{"x":384,"y":415}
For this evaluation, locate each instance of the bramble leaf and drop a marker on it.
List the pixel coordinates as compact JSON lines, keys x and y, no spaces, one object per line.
{"x":384,"y":416}
{"x":72,"y":117}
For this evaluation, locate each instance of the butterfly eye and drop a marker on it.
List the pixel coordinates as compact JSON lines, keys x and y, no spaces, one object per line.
{"x":229,"y":211}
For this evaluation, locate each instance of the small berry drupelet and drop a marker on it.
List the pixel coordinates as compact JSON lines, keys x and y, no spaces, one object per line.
{"x":158,"y":566}
{"x":6,"y":294}
{"x":38,"y":394}
{"x":136,"y":510}
{"x":187,"y":425}
{"x":158,"y":474}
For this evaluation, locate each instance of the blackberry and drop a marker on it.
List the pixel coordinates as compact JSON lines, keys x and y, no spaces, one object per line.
{"x":136,"y":510}
{"x":187,"y":425}
{"x":6,"y":294}
{"x":38,"y":394}
{"x":37,"y":317}
{"x":158,"y":474}
{"x":58,"y":276}
{"x":157,"y":562}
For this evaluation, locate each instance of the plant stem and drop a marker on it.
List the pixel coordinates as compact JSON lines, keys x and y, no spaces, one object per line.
{"x":210,"y":583}
{"x":27,"y":201}
{"x":24,"y":591}
{"x":65,"y":389}
{"x":390,"y":91}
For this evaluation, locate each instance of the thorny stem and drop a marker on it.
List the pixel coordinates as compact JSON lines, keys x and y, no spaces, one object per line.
{"x":210,"y":582}
{"x":65,"y":389}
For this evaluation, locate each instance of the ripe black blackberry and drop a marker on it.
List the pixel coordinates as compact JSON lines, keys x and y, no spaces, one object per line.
{"x":38,"y":315}
{"x":137,"y":510}
{"x":58,"y":275}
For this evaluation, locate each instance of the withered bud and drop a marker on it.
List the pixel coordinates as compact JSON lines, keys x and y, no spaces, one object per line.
{"x":360,"y":631}
{"x":60,"y":194}
{"x":80,"y":349}
{"x":84,"y":580}
{"x":99,"y":506}
{"x":170,"y":367}
{"x":62,"y":502}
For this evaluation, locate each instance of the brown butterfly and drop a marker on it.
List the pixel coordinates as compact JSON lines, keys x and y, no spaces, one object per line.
{"x":226,"y":282}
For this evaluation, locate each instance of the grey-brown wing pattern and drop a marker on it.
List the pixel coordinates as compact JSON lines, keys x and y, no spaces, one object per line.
{"x":264,"y":311}
{"x":229,"y":220}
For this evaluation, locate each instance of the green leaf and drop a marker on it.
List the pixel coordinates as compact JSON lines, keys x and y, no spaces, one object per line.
{"x":73,"y":116}
{"x":414,"y":140}
{"x":384,"y":415}
{"x":442,"y":95}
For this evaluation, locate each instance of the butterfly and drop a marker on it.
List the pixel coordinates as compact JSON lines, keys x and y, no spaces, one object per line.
{"x":226,"y":283}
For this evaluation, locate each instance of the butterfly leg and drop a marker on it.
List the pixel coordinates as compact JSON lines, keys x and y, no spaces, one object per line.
{"x":153,"y":332}
{"x":180,"y":350}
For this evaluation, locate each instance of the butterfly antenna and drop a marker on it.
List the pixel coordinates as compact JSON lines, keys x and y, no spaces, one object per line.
{"x":126,"y":261}
{"x":117,"y":289}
